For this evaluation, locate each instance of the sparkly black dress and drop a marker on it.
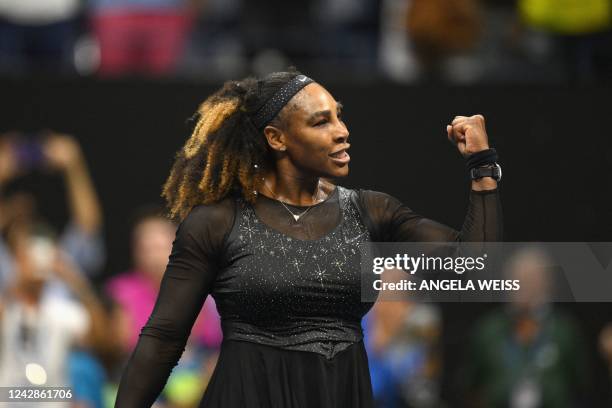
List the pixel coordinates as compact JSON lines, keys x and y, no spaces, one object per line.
{"x":288,"y":294}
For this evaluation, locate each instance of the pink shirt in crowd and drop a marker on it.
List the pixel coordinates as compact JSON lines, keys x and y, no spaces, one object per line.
{"x":137,"y":296}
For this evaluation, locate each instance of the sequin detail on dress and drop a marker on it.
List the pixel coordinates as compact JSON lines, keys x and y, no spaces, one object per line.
{"x":295,"y":294}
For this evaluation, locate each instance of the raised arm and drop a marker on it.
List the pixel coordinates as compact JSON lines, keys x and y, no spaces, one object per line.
{"x":188,"y":279}
{"x":391,"y":221}
{"x":483,"y":221}
{"x":82,"y":239}
{"x":64,"y":153}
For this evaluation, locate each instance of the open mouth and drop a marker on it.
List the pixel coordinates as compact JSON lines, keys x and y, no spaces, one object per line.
{"x":340,"y":156}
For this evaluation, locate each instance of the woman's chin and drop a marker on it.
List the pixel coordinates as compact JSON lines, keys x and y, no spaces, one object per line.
{"x":334,"y":172}
{"x":341,"y":172}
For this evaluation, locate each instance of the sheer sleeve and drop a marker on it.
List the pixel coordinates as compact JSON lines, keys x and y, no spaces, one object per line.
{"x":390,"y":221}
{"x":196,"y":256}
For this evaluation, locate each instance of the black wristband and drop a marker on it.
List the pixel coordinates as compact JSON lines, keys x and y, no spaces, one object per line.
{"x":481,"y":158}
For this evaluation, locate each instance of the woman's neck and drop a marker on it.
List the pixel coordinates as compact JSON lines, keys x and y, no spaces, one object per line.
{"x":294,"y":189}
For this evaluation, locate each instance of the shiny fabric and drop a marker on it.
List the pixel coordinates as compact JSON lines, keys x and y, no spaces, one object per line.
{"x":291,"y":293}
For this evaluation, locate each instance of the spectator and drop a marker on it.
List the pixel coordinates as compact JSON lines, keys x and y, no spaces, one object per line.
{"x":80,"y":243}
{"x":431,"y":39}
{"x":530,"y":354}
{"x":402,"y":339}
{"x":141,"y":36}
{"x":81,"y":240}
{"x":37,"y":329}
{"x":135,"y":291}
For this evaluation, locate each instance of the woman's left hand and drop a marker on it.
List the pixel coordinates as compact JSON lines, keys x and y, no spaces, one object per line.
{"x":468,"y":133}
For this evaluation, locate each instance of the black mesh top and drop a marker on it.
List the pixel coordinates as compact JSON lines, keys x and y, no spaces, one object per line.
{"x":277,"y":282}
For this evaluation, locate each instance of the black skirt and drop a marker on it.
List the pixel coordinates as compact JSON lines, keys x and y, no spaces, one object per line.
{"x":251,"y":375}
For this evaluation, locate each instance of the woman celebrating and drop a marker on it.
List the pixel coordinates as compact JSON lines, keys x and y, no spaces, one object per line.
{"x":266,"y":233}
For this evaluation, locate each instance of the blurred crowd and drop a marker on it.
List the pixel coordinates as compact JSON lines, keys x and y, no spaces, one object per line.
{"x":453,"y":41}
{"x":63,"y":324}
{"x":59,"y":325}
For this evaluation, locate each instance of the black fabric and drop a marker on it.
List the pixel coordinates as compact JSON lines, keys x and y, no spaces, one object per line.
{"x":391,"y":221}
{"x":295,"y":294}
{"x":253,"y":375}
{"x":484,"y":157}
{"x":276,"y":103}
{"x":203,"y":255}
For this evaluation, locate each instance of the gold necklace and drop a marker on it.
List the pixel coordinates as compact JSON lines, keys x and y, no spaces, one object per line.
{"x":295,"y":216}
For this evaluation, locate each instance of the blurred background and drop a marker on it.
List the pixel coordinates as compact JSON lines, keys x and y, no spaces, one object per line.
{"x":96,"y":98}
{"x":404,"y":41}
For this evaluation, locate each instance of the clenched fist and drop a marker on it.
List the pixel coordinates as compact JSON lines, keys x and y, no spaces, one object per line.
{"x":468,"y":133}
